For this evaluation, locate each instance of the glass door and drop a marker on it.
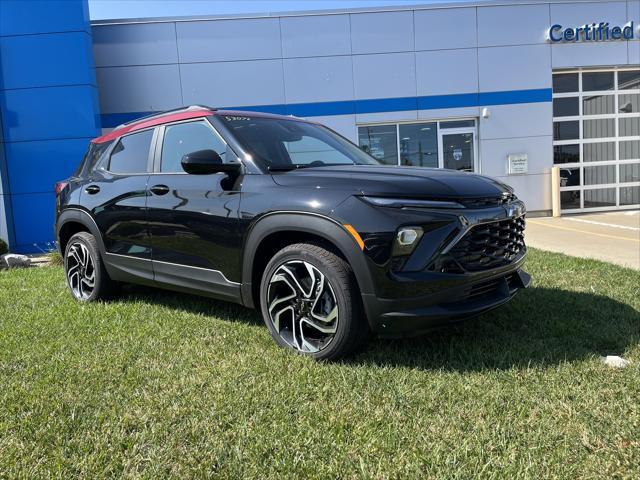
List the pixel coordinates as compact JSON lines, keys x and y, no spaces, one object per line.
{"x":458,"y":149}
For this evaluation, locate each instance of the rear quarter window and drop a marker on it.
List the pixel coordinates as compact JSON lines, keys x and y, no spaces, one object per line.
{"x":93,"y":155}
{"x":131,"y":153}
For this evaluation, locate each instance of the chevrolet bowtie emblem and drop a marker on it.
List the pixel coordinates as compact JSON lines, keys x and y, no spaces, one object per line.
{"x":512,"y":210}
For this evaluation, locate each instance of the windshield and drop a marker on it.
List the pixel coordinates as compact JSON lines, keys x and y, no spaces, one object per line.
{"x":282,"y":144}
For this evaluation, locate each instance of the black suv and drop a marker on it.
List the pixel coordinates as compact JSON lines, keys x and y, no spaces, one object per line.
{"x":286,"y":216}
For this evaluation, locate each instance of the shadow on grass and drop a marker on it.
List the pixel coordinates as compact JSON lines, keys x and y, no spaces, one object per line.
{"x":192,"y":304}
{"x":539,"y":327}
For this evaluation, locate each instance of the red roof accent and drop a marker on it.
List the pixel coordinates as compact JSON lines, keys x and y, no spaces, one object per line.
{"x":152,"y":122}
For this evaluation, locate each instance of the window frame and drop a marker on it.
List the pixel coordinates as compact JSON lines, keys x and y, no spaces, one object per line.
{"x":159,"y":143}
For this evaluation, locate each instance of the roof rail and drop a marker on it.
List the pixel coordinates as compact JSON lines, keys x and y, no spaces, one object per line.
{"x":160,"y":114}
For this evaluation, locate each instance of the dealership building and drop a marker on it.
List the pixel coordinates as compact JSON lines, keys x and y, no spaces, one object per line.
{"x":505,"y":89}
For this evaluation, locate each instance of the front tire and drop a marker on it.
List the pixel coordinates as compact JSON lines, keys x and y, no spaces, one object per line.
{"x":311,"y":303}
{"x":87,"y":278}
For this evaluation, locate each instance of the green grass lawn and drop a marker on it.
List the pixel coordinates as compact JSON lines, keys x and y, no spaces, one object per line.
{"x":158,"y":384}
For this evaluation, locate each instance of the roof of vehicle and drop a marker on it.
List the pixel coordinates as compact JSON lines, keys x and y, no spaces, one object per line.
{"x":183,"y":113}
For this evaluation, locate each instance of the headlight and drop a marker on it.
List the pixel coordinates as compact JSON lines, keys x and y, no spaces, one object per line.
{"x":409,"y":202}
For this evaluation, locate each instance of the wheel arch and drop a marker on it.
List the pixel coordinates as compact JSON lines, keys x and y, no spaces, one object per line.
{"x":276,"y":230}
{"x":72,"y":221}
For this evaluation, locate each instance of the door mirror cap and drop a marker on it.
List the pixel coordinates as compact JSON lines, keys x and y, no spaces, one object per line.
{"x":205,"y":162}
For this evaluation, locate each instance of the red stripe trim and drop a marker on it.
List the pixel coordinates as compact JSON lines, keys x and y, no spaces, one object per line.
{"x":152,"y":122}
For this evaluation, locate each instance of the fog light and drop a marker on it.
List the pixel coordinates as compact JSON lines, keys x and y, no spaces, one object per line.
{"x":406,"y":240}
{"x":407,"y":236}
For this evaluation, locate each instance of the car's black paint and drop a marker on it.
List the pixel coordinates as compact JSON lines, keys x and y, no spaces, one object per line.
{"x":384,"y":180}
{"x":200,"y":233}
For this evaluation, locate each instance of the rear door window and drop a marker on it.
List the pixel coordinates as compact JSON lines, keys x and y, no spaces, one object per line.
{"x":131,"y":153}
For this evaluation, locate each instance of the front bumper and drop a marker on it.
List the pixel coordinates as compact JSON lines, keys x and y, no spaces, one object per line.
{"x":468,"y":261}
{"x":410,"y":316}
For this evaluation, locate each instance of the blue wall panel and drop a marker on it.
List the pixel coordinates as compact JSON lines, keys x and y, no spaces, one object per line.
{"x":48,"y":110}
{"x":53,"y":59}
{"x":35,"y":167}
{"x":50,"y":113}
{"x":33,"y":221}
{"x":21,"y":17}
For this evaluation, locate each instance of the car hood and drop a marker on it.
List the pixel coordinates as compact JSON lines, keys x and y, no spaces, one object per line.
{"x":397,"y":181}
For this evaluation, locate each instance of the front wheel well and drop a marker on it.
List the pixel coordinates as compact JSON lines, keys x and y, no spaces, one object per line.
{"x":275,"y":242}
{"x":68,"y":230}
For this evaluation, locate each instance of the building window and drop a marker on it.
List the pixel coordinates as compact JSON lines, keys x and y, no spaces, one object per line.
{"x":419,"y":144}
{"x":436,"y":144}
{"x":596,"y":138}
{"x":381,"y":142}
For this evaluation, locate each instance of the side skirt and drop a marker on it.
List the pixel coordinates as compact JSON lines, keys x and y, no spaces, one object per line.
{"x":171,"y":276}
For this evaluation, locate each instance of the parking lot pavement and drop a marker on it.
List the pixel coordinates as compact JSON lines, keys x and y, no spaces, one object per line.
{"x":611,"y":236}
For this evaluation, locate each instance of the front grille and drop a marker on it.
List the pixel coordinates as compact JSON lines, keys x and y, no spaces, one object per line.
{"x":490,"y":245}
{"x":486,"y":202}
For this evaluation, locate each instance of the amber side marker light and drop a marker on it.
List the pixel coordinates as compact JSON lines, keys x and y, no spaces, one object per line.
{"x":356,"y":236}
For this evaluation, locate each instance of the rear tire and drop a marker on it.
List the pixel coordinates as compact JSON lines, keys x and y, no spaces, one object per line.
{"x":87,"y":278}
{"x":311,"y":303}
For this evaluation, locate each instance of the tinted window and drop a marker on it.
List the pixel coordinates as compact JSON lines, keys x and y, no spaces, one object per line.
{"x":566,"y":154}
{"x":458,"y":124}
{"x":565,"y":82}
{"x":569,"y":177}
{"x":131,"y":154}
{"x":565,"y":107}
{"x":419,"y":144}
{"x":185,"y":138}
{"x":566,"y":130}
{"x":381,"y":142}
{"x":629,"y":79}
{"x":595,"y":81}
{"x":91,"y":158}
{"x":570,"y":199}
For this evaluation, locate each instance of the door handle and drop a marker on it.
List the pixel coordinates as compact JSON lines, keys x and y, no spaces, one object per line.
{"x":159,"y":189}
{"x":92,"y":189}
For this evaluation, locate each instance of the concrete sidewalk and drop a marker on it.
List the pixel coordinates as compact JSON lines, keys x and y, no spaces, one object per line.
{"x":611,"y":236}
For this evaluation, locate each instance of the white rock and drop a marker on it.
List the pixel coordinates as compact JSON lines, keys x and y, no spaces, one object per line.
{"x":13,"y":260}
{"x":615,"y":361}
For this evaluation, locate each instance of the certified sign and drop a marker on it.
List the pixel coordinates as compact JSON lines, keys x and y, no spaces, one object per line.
{"x":591,"y":32}
{"x":518,"y":163}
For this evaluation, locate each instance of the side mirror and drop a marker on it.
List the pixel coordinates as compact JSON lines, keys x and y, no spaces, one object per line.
{"x":205,"y":162}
